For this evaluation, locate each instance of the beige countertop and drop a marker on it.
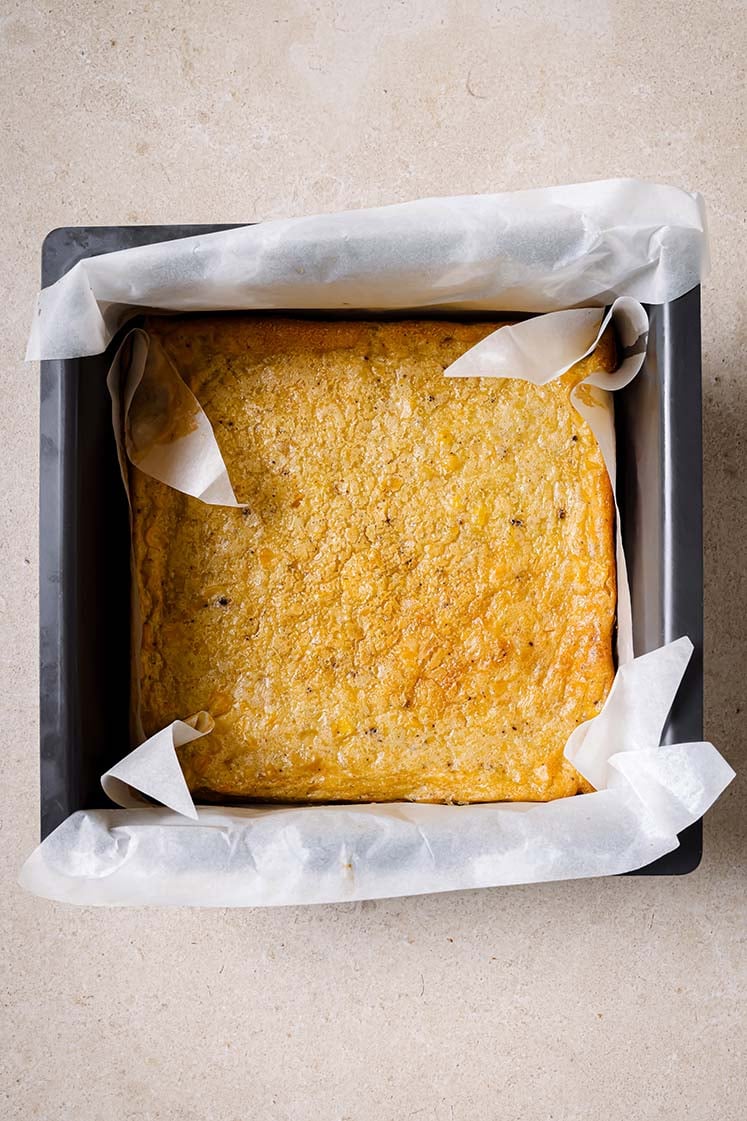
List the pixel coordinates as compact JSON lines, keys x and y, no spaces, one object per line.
{"x":606,"y":999}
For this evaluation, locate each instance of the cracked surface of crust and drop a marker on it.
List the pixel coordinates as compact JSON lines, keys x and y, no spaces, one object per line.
{"x":418,"y":602}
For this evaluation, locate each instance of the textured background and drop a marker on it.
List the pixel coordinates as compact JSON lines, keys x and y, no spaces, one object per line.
{"x":610,"y":999}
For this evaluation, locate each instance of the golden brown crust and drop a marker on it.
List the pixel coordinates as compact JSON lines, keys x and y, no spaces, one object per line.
{"x":418,"y":602}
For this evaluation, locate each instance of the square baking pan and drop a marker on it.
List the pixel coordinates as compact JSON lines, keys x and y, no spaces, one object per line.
{"x":84,"y":628}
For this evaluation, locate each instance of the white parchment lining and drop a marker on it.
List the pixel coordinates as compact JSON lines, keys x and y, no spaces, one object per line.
{"x":546,"y":249}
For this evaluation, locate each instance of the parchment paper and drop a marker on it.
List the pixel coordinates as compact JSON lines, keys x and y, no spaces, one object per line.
{"x":538,"y":250}
{"x":147,"y":393}
{"x":531,"y":251}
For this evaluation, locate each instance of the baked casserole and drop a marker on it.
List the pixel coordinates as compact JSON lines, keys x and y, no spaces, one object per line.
{"x":417,"y":599}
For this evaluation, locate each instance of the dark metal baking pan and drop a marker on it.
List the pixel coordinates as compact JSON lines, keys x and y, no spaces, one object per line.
{"x":84,"y":549}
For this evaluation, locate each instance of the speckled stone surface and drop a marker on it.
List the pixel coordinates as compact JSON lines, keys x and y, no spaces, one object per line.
{"x":615,"y":999}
